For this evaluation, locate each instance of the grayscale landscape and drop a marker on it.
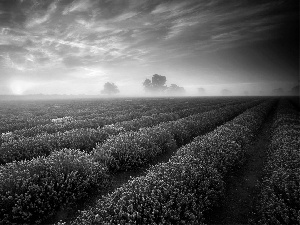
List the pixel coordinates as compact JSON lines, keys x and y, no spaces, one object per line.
{"x":149,"y":112}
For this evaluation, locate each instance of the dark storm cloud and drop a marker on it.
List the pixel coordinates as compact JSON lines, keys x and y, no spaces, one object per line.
{"x":38,"y":34}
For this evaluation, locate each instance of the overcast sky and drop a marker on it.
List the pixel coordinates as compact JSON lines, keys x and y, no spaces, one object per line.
{"x":75,"y":46}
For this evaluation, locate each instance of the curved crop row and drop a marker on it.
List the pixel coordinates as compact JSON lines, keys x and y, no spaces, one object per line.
{"x":279,"y":201}
{"x":69,"y":123}
{"x":19,"y":115}
{"x":83,"y":139}
{"x":130,"y":149}
{"x":190,"y":183}
{"x":31,"y":191}
{"x":93,"y":121}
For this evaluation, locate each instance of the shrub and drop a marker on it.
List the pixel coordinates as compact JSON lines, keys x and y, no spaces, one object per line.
{"x":33,"y":190}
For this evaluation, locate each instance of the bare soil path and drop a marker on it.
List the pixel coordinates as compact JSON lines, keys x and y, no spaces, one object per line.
{"x":242,"y":183}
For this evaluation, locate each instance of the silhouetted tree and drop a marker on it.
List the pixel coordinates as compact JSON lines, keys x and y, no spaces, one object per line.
{"x":277,"y":91}
{"x":156,"y":85}
{"x":148,"y":85}
{"x":226,"y":92}
{"x":110,"y":88}
{"x":175,"y":89}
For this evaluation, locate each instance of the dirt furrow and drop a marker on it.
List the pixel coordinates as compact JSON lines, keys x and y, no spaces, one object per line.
{"x":242,"y":183}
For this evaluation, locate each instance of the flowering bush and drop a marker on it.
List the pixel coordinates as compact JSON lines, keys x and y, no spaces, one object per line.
{"x":132,"y":149}
{"x":63,"y":120}
{"x":44,"y":144}
{"x":33,"y":190}
{"x":175,"y":192}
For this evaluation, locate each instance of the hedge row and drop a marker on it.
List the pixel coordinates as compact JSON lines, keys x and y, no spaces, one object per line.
{"x":279,"y":201}
{"x":30,"y":191}
{"x":183,"y":189}
{"x":83,"y":139}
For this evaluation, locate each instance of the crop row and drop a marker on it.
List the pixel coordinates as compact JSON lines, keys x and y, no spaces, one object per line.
{"x":97,"y":120}
{"x":183,"y":189}
{"x":16,"y":116}
{"x":68,"y":123}
{"x":32,"y":190}
{"x":83,"y":138}
{"x":279,"y":201}
{"x":134,"y":148}
{"x":93,"y":120}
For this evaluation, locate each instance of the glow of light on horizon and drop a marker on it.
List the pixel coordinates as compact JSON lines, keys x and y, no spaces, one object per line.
{"x":19,"y":87}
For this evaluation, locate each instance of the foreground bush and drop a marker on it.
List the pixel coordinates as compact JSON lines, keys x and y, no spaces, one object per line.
{"x":175,"y":192}
{"x":33,"y":190}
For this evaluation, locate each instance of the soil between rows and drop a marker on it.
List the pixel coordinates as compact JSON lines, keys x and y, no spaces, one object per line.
{"x":242,"y":183}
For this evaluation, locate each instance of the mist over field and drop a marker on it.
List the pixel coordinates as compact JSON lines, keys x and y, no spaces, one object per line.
{"x":202,"y":48}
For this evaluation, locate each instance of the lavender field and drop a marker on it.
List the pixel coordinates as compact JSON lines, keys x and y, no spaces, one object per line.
{"x":150,"y":161}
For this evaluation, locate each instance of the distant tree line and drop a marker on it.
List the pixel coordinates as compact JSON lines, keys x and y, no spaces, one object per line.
{"x":157,"y":85}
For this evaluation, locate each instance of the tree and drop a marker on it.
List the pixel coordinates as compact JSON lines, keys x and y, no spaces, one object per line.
{"x":226,"y":92}
{"x":175,"y":89}
{"x":156,"y":85}
{"x":110,"y":88}
{"x":201,"y":91}
{"x":148,"y":85}
{"x":278,"y":91}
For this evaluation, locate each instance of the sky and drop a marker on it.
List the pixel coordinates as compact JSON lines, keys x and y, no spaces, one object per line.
{"x":247,"y":47}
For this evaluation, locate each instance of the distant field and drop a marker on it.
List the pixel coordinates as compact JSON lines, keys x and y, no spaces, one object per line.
{"x":150,"y":161}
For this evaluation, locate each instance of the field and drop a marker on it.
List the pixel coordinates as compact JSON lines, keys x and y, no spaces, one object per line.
{"x":214,"y":160}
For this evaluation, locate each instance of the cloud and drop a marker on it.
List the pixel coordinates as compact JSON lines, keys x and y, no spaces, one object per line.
{"x":72,"y":34}
{"x":78,"y":6}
